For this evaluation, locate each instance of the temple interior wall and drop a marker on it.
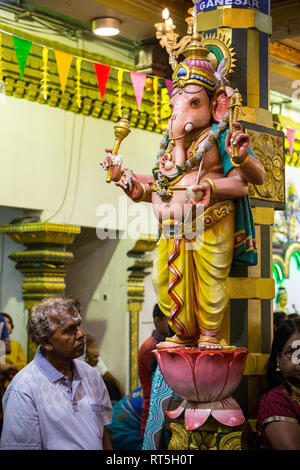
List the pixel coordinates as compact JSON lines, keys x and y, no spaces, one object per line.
{"x":57,"y":153}
{"x":49,"y":157}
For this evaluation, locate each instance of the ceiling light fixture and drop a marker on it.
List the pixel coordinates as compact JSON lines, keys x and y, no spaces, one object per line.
{"x":106,"y":26}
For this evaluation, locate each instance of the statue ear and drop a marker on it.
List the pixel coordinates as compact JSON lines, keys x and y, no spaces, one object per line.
{"x":220,"y":103}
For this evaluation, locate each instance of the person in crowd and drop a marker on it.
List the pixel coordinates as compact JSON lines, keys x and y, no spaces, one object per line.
{"x":6,"y":370}
{"x":278,"y":319}
{"x":17,"y":356}
{"x":4,"y":337}
{"x":93,"y":358}
{"x":293,"y":315}
{"x":145,"y":359}
{"x":279,"y":409}
{"x":56,"y":402}
{"x":125,"y":428}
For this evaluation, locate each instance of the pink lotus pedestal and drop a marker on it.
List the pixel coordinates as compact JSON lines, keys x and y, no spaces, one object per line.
{"x":206,"y":380}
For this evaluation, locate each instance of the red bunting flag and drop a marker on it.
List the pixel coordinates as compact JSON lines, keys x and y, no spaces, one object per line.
{"x":169,"y":85}
{"x":138,"y":82}
{"x":102,"y":72}
{"x":290,"y":134}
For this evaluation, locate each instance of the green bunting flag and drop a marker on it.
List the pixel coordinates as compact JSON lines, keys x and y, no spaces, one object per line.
{"x":22,"y":48}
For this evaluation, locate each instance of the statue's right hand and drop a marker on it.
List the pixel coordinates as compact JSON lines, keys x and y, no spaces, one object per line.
{"x":113,"y":163}
{"x":108,"y":160}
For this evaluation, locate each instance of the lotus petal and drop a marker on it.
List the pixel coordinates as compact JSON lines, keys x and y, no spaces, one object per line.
{"x":195,"y":417}
{"x":236,"y":369}
{"x":229,"y":417}
{"x":178,"y":372}
{"x":228,"y":412}
{"x":175,"y":413}
{"x":211,"y":371}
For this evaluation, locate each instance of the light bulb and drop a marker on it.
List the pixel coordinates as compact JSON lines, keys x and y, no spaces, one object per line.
{"x":165,"y":14}
{"x":106,"y":26}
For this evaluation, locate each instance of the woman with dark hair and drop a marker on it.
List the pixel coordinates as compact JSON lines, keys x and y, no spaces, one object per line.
{"x":279,"y":409}
{"x":16,"y":357}
{"x":278,"y":319}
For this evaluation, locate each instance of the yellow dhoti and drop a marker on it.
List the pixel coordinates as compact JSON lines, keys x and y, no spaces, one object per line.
{"x":189,"y":276}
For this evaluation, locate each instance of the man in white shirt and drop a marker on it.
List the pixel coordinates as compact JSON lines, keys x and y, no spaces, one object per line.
{"x":56,"y":402}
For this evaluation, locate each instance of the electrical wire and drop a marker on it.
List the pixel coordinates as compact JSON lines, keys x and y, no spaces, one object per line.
{"x":69,"y":170}
{"x":78,"y":170}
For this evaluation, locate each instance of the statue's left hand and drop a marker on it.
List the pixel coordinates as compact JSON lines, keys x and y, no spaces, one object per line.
{"x":239,"y":139}
{"x":129,"y":183}
{"x":202,"y":194}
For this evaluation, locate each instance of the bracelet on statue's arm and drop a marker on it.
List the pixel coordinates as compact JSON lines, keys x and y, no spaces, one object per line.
{"x":212,"y":185}
{"x":243,"y":162}
{"x":142,"y":196}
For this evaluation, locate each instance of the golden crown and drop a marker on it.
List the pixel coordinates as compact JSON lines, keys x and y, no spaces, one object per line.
{"x":208,"y":61}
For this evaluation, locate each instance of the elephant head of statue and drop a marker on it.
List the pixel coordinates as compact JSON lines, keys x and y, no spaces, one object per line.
{"x":200,"y":93}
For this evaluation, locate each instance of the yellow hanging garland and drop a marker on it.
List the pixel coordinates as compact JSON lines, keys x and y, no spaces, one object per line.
{"x":78,"y":89}
{"x":120,"y":90}
{"x":155,"y":107}
{"x":1,"y":59}
{"x":45,"y":80}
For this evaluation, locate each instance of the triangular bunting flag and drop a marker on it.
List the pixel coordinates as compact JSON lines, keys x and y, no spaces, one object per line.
{"x":169,"y":85}
{"x":290,"y":134}
{"x":63,"y":61}
{"x":22,"y":48}
{"x":102,"y":72}
{"x":138,"y":82}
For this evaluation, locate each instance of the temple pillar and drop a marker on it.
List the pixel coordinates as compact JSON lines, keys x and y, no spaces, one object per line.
{"x":44,"y":261}
{"x":135,"y":298}
{"x":248,"y":321}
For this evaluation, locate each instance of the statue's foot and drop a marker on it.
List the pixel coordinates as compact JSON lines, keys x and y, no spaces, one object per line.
{"x":175,"y":342}
{"x":207,"y":343}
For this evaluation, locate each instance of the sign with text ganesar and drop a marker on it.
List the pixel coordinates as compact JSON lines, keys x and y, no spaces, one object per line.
{"x":206,"y":5}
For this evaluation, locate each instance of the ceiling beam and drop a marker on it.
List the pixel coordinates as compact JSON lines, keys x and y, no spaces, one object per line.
{"x":286,"y":19}
{"x":287,"y":71}
{"x":286,"y":53}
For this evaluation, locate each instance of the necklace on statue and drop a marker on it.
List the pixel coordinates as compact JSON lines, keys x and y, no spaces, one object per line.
{"x":166,"y":161}
{"x":167,"y":176}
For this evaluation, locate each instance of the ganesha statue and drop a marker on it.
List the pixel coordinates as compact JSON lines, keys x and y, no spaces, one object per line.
{"x":205,"y":161}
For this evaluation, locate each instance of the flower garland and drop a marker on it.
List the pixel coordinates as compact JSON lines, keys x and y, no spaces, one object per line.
{"x":78,"y":89}
{"x":164,"y":181}
{"x":45,"y":68}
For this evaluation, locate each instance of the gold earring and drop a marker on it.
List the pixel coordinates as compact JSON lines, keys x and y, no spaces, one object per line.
{"x":278,"y":368}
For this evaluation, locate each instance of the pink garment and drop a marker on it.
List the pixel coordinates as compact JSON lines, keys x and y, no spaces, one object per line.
{"x":276,"y":402}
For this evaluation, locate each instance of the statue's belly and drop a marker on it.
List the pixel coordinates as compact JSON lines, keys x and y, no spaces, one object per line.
{"x":177,"y":207}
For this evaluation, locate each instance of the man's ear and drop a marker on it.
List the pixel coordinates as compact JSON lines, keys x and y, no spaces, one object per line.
{"x":46,"y":344}
{"x":220,"y":103}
